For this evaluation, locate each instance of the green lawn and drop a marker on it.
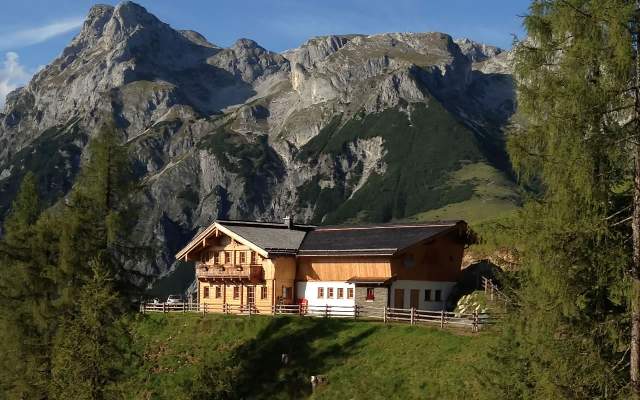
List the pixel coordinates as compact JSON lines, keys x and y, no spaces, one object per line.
{"x":185,"y":356}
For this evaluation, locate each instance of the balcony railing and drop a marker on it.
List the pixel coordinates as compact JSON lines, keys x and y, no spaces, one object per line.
{"x":251,"y":273}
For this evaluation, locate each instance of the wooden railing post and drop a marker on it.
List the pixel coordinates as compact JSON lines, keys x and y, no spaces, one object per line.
{"x":413,"y":316}
{"x":442,"y":318}
{"x":326,"y":310}
{"x":475,"y":321}
{"x":384,"y":314}
{"x":164,"y":308}
{"x":204,"y":308}
{"x":355,"y":311}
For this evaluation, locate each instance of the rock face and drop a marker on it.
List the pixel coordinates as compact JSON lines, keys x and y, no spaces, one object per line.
{"x":343,"y":128}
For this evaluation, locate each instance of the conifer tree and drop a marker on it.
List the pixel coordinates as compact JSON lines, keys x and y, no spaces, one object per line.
{"x":569,"y":337}
{"x":87,"y":352}
{"x":27,"y":257}
{"x":95,"y":218}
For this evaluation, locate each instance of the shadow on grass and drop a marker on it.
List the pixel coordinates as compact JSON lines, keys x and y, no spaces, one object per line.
{"x":312,"y":346}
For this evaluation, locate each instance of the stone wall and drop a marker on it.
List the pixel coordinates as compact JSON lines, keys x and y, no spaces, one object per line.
{"x":381,"y":296}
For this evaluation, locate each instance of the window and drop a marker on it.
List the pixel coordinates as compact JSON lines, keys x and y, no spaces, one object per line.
{"x":205,"y":292}
{"x":236,"y":292}
{"x":218,"y":292}
{"x":427,"y":295}
{"x":253,"y":258}
{"x":330,"y":293}
{"x":243,"y":257}
{"x":321,"y":293}
{"x":349,"y":293}
{"x":340,"y":293}
{"x":227,"y":257}
{"x":370,"y":294}
{"x":287,"y":292}
{"x":263,"y":292}
{"x":216,"y":258}
{"x":438,"y":295}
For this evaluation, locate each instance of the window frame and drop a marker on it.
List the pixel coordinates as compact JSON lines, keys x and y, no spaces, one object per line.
{"x":340,"y":293}
{"x":427,"y":295}
{"x":236,"y":292}
{"x":243,"y":257}
{"x":350,"y":293}
{"x":371,"y":294}
{"x":254,"y":258}
{"x":264,"y":292}
{"x":329,"y":293}
{"x":438,"y":295}
{"x":227,"y":257}
{"x":205,"y":292}
{"x":320,"y":293}
{"x":218,"y":292}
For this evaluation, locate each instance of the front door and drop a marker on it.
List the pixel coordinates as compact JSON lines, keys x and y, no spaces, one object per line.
{"x":251,"y":296}
{"x":398,"y":298}
{"x":415,"y":296}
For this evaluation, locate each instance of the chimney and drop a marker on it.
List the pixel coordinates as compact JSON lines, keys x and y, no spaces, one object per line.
{"x":288,"y":222}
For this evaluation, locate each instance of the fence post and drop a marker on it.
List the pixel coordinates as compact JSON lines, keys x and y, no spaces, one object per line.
{"x":183,"y":307}
{"x":442,"y":318}
{"x":475,"y":321}
{"x":384,"y":314}
{"x":204,"y":308}
{"x":326,"y":310}
{"x":413,"y":316}
{"x":355,"y":311}
{"x":164,"y":308}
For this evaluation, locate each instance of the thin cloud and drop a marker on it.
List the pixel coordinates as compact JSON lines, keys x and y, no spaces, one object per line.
{"x":26,"y":37}
{"x":12,"y":75}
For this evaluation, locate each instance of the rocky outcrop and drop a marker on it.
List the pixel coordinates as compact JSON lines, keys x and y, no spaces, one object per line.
{"x":318,"y":132}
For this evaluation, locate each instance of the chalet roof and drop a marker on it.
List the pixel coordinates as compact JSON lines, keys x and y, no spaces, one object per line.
{"x":375,"y":240}
{"x":272,"y":237}
{"x":269,"y":237}
{"x":370,"y":280}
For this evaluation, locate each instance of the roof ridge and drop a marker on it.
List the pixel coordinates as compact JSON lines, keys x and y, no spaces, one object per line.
{"x":385,"y":226}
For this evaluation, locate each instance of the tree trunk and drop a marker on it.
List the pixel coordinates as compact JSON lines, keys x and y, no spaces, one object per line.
{"x":635,"y":223}
{"x":635,"y":280}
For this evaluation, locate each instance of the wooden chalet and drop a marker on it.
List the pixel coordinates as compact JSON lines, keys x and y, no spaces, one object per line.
{"x":260,"y":264}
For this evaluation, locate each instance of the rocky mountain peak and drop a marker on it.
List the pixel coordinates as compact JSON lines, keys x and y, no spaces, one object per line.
{"x":197,"y":38}
{"x":246,"y":44}
{"x":477,"y":52}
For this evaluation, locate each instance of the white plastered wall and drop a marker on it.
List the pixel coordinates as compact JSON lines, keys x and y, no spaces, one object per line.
{"x":309,"y":290}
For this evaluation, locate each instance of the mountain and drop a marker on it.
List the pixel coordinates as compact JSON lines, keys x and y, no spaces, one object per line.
{"x":345,"y":128}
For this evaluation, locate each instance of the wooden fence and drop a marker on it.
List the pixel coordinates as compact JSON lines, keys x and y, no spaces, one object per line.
{"x":492,"y":292}
{"x":475,"y":321}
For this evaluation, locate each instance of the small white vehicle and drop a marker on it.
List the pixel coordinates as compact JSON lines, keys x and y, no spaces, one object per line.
{"x":174,"y":299}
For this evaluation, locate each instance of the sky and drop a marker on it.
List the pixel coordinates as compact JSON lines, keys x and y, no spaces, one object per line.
{"x":34,"y":32}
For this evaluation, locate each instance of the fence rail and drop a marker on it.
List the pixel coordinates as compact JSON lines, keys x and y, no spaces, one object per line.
{"x":412,"y":316}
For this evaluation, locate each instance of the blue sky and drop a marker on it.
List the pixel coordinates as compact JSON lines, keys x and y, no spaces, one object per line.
{"x":34,"y":32}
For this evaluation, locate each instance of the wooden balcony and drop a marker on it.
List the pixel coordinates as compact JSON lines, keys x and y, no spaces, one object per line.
{"x":230,"y":272}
